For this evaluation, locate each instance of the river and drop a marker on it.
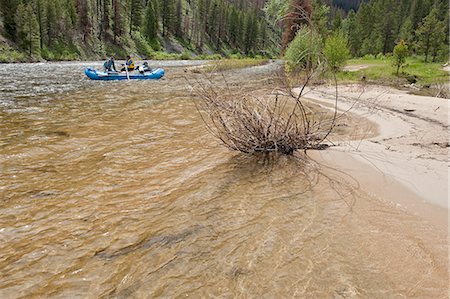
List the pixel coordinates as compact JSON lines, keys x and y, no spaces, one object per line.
{"x":117,"y":190}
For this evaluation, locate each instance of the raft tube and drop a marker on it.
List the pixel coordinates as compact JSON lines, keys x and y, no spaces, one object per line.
{"x":99,"y":75}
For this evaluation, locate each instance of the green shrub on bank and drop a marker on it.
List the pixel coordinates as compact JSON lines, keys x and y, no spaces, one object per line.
{"x":304,"y":51}
{"x":336,"y":51}
{"x":47,"y":54}
{"x":186,"y":55}
{"x":9,"y":55}
{"x":368,"y":57}
{"x":400,"y":53}
{"x":236,"y":56}
{"x":61,"y":51}
{"x":143,"y":47}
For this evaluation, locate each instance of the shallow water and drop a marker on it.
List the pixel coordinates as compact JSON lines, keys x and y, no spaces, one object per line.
{"x":116,"y":190}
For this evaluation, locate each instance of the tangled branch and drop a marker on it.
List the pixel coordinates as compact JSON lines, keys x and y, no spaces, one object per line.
{"x":269,"y":121}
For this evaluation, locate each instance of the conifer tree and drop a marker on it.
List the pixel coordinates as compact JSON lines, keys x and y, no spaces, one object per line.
{"x":263,"y":34}
{"x":52,"y":32}
{"x":350,"y":29}
{"x":8,"y":12}
{"x":233,"y":27}
{"x":41,"y":11}
{"x":213,"y":21}
{"x":319,"y":17}
{"x":84,"y":11}
{"x":250,"y":33}
{"x":27,"y":30}
{"x":201,"y":22}
{"x":178,"y":20}
{"x":407,"y":31}
{"x":117,"y":19}
{"x":430,"y":33}
{"x":136,"y":12}
{"x":151,"y":22}
{"x":105,"y":25}
{"x":167,"y":8}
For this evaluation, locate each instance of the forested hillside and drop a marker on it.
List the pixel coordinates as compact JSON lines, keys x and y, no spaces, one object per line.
{"x":71,"y":29}
{"x":90,"y":29}
{"x":379,"y":24}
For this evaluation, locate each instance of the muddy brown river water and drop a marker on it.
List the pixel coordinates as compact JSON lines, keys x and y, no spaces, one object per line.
{"x":116,"y":190}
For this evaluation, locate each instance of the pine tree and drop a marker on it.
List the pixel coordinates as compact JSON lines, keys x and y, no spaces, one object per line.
{"x":429,"y":34}
{"x":118,"y":23}
{"x":233,"y":27}
{"x":387,"y":26}
{"x":167,"y":9}
{"x":364,"y":25}
{"x":349,"y":27}
{"x":8,"y":12}
{"x":407,"y":31}
{"x":136,"y":12}
{"x":213,"y":22}
{"x":105,"y":25}
{"x":84,"y":11}
{"x":263,"y":34}
{"x":52,"y":32}
{"x":151,"y":22}
{"x":319,"y":17}
{"x":179,"y":20}
{"x":72,"y":12}
{"x":41,"y":11}
{"x":337,"y":22}
{"x":201,"y":22}
{"x":27,"y":30}
{"x":250,"y":33}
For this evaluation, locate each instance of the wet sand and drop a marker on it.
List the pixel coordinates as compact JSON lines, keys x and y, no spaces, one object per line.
{"x":406,"y":162}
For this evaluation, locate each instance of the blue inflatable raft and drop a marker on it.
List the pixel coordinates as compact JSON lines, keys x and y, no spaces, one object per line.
{"x":99,"y":75}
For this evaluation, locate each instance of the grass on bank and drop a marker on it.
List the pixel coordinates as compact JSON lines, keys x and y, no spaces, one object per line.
{"x":380,"y":70}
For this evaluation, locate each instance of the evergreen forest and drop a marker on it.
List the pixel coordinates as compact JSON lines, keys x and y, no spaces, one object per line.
{"x":33,"y":30}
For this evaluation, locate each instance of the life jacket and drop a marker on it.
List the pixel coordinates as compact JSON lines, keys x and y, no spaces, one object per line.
{"x":130,"y":63}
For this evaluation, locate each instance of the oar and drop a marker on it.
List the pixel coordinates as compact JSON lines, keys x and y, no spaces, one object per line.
{"x":126,"y":70}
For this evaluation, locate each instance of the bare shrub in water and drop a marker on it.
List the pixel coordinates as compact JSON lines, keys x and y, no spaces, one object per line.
{"x":273,"y":121}
{"x":264,"y":121}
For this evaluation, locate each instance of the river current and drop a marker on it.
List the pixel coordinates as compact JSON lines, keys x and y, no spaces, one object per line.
{"x":117,"y":190}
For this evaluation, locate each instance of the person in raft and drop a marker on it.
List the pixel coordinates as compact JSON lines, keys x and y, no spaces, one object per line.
{"x":109,"y":65}
{"x":129,"y":64}
{"x":144,"y":68}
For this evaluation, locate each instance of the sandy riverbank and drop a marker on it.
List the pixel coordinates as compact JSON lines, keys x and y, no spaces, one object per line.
{"x":406,"y":163}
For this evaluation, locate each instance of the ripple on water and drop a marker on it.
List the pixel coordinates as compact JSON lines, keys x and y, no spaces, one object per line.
{"x":118,"y":190}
